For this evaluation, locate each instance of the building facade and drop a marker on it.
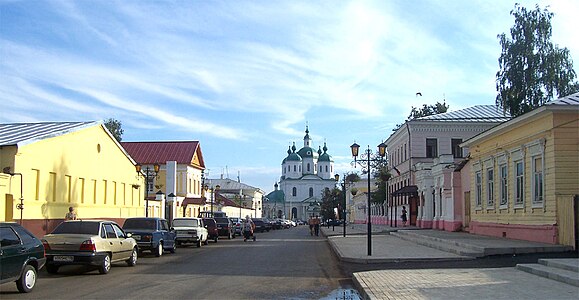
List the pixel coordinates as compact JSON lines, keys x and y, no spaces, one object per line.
{"x":242,"y":199}
{"x":51,"y":166}
{"x":422,"y":154}
{"x":524,"y":180}
{"x":306,"y":173}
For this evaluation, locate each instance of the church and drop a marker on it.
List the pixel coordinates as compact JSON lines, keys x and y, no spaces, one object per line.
{"x":305,"y":175}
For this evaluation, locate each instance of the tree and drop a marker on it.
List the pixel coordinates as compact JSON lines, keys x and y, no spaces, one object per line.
{"x":532,"y":69}
{"x":331,"y":199}
{"x":115,"y":128}
{"x":426,"y":110}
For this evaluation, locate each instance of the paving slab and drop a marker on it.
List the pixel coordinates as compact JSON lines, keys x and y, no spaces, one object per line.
{"x":497,"y":283}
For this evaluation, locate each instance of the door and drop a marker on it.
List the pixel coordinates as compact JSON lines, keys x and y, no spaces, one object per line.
{"x":112,"y":242}
{"x":413,"y":207}
{"x":125,"y":245}
{"x":12,"y":253}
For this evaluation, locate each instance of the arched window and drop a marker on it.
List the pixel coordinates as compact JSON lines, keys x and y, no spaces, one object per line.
{"x":320,"y":168}
{"x":294,"y":191}
{"x":326,"y":168}
{"x":311,"y":192}
{"x":295,"y":170}
{"x":308,"y":167}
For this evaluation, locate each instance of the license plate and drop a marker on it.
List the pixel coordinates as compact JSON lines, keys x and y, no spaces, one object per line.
{"x":183,"y":235}
{"x":136,"y":237}
{"x":64,"y":258}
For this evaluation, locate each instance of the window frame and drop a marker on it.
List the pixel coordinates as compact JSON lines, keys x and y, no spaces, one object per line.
{"x":535,"y":202}
{"x":504,"y":183}
{"x":490,"y":183}
{"x":434,"y":148}
{"x":478,"y":189}
{"x":519,"y":183}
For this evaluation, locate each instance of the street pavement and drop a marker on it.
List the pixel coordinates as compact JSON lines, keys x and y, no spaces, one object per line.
{"x":411,"y":244}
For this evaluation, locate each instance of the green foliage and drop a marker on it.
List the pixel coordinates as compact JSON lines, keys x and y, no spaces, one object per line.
{"x":532,"y":69}
{"x":115,"y":128}
{"x":331,"y":199}
{"x":352,"y":177}
{"x":426,"y":110}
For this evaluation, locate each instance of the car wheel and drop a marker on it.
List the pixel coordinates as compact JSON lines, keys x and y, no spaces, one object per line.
{"x":172,"y":250}
{"x":159,"y":250}
{"x":133,"y":259}
{"x":199,"y":242}
{"x":52,"y":269}
{"x":28,"y":279}
{"x":105,"y":266}
{"x":206,"y":242}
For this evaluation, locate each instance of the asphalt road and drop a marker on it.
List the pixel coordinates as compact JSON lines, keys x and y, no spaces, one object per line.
{"x":281,"y":264}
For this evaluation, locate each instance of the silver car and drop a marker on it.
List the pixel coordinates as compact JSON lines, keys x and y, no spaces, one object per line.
{"x":94,"y":243}
{"x":190,"y":230}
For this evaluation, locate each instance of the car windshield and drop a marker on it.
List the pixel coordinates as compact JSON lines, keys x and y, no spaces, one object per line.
{"x":77,"y":228}
{"x":221,"y":220}
{"x":139,"y":224}
{"x":185,"y":223}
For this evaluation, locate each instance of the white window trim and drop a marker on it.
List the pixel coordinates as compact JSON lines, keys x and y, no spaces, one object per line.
{"x":506,"y":205}
{"x":535,"y":204}
{"x":515,"y":184}
{"x":477,"y":195}
{"x":490,"y":206}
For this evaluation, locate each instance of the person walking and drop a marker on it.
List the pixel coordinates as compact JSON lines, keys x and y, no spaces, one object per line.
{"x":311,"y":223}
{"x":317,"y":226}
{"x":248,"y":228}
{"x":404,"y":217}
{"x":70,"y":215}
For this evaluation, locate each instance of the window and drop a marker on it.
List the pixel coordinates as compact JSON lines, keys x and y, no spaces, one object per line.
{"x":478,"y":187}
{"x":119,"y":232}
{"x":294,"y":191}
{"x":456,"y":149}
{"x":295,"y":168}
{"x":490,"y":188}
{"x":504,"y":184}
{"x":405,"y":152}
{"x":9,"y":237}
{"x":537,"y":180}
{"x":326,"y":168}
{"x":308,"y":167}
{"x":110,"y":231}
{"x":519,"y":183}
{"x":311,"y":192}
{"x":431,"y":148}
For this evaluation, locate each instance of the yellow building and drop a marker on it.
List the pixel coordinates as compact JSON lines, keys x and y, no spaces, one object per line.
{"x":49,"y":167}
{"x":525,"y":176}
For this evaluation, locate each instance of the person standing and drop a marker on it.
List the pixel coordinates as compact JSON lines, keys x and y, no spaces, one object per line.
{"x":70,"y":215}
{"x":248,"y":227}
{"x":311,"y":223}
{"x":404,"y":217}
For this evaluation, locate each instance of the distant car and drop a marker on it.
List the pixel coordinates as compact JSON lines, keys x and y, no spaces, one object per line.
{"x":93,"y":242}
{"x":21,"y":256}
{"x":151,"y":234}
{"x":225,"y":227}
{"x":259,"y":225}
{"x":190,"y":230}
{"x":236,"y":225}
{"x":212,"y":232}
{"x":267,"y":223}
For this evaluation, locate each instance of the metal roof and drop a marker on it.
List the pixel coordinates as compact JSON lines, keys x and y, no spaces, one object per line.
{"x":147,"y":153}
{"x":227,"y":184}
{"x":477,"y":113}
{"x":570,"y":100}
{"x":25,"y":133}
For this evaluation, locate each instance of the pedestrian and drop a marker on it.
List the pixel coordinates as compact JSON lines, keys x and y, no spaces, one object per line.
{"x":70,"y":215}
{"x":317,"y":226}
{"x":404,"y":218}
{"x":248,"y":228}
{"x":311,"y":223}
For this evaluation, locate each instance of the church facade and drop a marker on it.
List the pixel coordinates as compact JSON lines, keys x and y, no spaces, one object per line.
{"x":305,"y":174}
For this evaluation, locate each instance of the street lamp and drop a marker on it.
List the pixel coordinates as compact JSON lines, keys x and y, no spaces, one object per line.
{"x":170,"y":201}
{"x":367,"y":162}
{"x":149,"y":176}
{"x":213,"y":192}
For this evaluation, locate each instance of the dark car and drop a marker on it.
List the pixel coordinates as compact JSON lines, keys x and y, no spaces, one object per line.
{"x":211,"y":225}
{"x":259,"y":225}
{"x":236,"y":224}
{"x":151,"y":234}
{"x":97,"y":243}
{"x":21,"y":256}
{"x":225,"y":227}
{"x":268,"y":224}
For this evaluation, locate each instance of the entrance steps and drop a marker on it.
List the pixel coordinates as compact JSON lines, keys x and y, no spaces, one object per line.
{"x":443,"y":244}
{"x":564,"y":270}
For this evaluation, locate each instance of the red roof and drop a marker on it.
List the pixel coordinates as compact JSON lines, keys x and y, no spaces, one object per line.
{"x":198,"y":201}
{"x":146,"y":153}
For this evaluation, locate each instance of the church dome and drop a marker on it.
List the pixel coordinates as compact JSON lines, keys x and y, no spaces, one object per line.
{"x":308,"y":152}
{"x":292,"y":155}
{"x":324,"y":156}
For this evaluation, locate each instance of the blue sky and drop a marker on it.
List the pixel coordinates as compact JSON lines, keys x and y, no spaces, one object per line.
{"x":244,"y":77}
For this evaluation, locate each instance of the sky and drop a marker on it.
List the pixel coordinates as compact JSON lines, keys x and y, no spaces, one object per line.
{"x":245,"y":77}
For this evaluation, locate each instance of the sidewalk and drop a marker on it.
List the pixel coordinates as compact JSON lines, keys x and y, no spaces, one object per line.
{"x":414,"y":244}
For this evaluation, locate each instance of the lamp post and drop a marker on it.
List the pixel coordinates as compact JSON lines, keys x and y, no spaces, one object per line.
{"x":213,"y":191}
{"x":149,"y":176}
{"x":170,"y":201}
{"x":367,"y":162}
{"x":343,"y":184}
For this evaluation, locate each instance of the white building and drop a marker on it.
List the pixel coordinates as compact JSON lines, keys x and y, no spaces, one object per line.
{"x":305,"y":175}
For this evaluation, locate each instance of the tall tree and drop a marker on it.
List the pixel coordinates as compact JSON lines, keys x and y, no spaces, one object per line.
{"x":425,"y":110}
{"x":115,"y":128}
{"x":532,"y":69}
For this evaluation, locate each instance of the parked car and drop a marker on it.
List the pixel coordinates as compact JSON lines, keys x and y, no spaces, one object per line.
{"x":93,"y":242}
{"x":259,"y":225}
{"x":225,"y":227}
{"x":236,"y":225}
{"x":215,"y":214}
{"x":267,"y":223}
{"x":190,"y":230}
{"x":212,"y":232}
{"x":21,"y":256}
{"x":151,"y":234}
